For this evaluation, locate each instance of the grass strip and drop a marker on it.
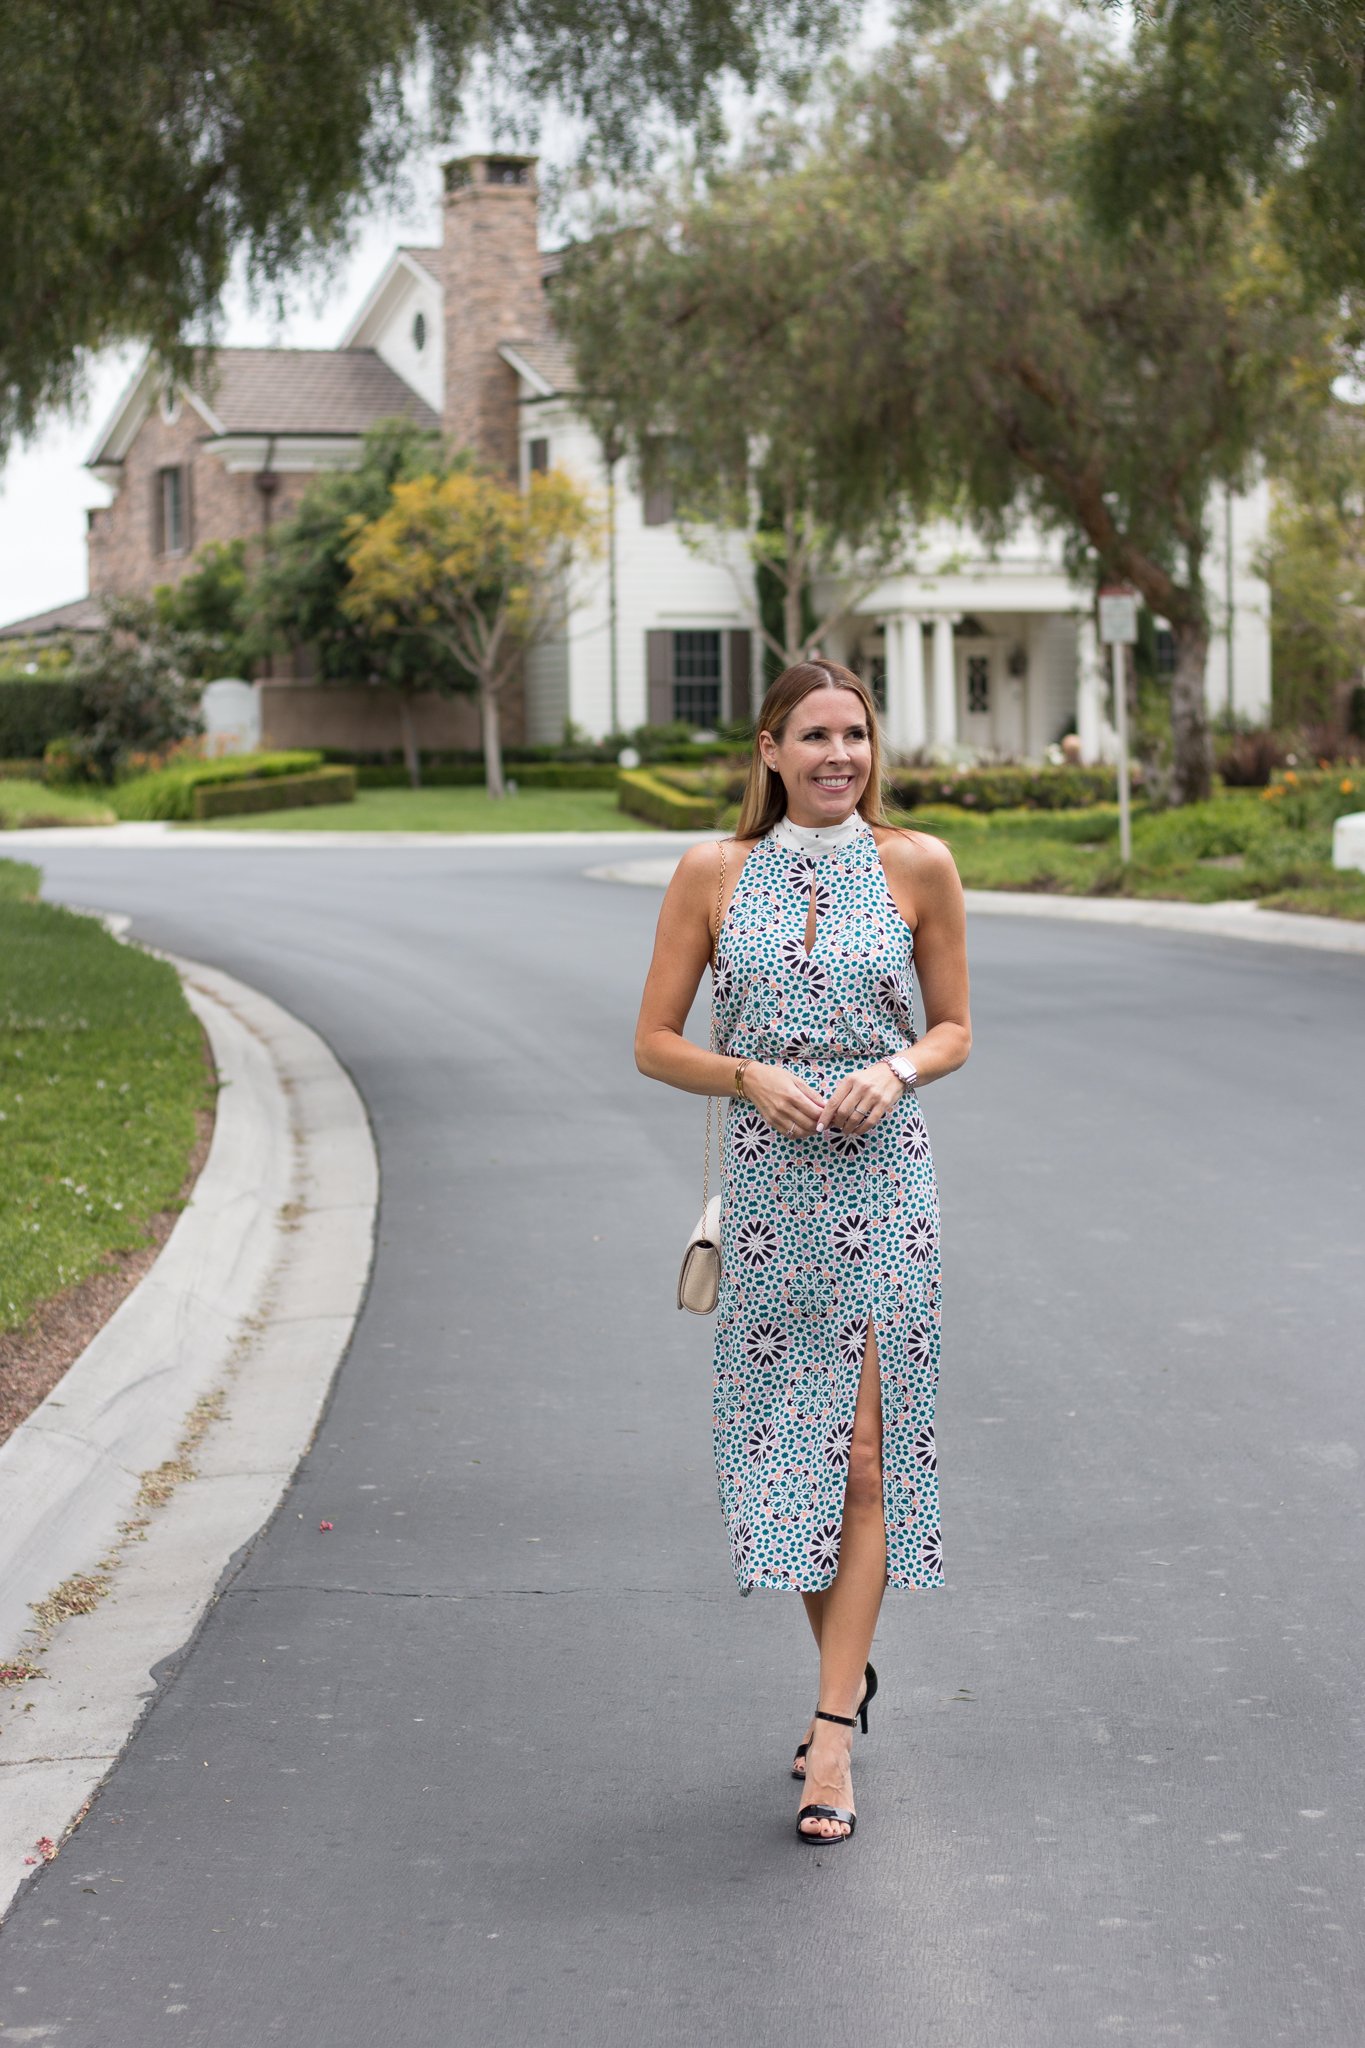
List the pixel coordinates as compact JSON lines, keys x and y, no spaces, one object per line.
{"x":448,"y":810}
{"x":25,"y":804}
{"x":101,"y":1074}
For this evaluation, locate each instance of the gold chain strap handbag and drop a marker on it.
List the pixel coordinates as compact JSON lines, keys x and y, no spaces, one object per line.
{"x":699,"y":1277}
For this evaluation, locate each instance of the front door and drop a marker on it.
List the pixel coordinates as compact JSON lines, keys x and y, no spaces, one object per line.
{"x":979,"y":672}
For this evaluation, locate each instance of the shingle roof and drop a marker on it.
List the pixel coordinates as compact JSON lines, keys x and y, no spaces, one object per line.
{"x":305,"y":391}
{"x":82,"y":615}
{"x":420,"y":251}
{"x":550,"y":359}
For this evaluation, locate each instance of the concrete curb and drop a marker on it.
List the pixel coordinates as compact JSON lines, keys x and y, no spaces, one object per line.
{"x":159,"y":836}
{"x":255,"y":1293}
{"x":1208,"y":920}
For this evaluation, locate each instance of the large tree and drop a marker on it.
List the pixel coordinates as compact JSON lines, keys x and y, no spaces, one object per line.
{"x":1104,"y":385}
{"x":701,"y":332}
{"x":151,"y":145}
{"x":475,"y":570}
{"x":968,"y":335}
{"x":1229,"y":93}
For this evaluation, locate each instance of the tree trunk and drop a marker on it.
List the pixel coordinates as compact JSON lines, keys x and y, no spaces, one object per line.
{"x":491,"y":726}
{"x":1192,"y":768}
{"x":410,"y":753}
{"x":792,"y":564}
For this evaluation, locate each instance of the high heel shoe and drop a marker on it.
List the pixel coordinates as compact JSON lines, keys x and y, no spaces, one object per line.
{"x":845,"y":1814}
{"x":859,"y":1713}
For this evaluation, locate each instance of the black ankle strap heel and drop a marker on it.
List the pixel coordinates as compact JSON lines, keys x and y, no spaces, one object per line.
{"x":843,"y":1814}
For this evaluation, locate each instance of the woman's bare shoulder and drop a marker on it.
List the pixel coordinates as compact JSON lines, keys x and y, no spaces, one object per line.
{"x":912,"y":851}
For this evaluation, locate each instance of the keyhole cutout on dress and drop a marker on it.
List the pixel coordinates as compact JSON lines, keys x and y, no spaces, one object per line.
{"x":809,"y":940}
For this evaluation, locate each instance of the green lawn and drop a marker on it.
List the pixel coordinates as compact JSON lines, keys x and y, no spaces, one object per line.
{"x":447,"y":810}
{"x":1240,"y":844}
{"x":33,"y":803}
{"x":101,"y":1072}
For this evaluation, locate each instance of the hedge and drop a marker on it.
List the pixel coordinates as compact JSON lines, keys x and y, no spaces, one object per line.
{"x":275,"y":793}
{"x":1008,"y":787}
{"x":34,"y":710}
{"x":470,"y":775}
{"x":643,"y":795}
{"x":169,"y":792}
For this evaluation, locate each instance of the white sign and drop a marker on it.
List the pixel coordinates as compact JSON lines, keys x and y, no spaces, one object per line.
{"x":1118,"y":617}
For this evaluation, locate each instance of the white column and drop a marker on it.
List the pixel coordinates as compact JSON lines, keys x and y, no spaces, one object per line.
{"x":945,"y":683}
{"x":1089,"y":689}
{"x":893,"y":658}
{"x":916,"y":730}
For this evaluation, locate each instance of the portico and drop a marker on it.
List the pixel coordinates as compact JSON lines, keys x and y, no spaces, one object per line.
{"x":993,"y":663}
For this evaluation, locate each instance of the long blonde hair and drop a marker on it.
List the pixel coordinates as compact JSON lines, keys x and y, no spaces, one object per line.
{"x":765,"y":794}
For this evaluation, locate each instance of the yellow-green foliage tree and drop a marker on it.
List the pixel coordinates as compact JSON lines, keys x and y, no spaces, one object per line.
{"x":480,"y":568}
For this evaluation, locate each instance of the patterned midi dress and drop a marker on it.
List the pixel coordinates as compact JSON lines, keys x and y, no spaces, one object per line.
{"x":822,"y":1232}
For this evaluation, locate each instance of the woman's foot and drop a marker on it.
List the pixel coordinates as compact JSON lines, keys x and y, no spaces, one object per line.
{"x":799,"y":1760}
{"x":829,"y":1782}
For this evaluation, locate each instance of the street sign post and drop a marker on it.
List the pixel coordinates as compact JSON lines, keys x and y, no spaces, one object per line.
{"x":1118,"y":626}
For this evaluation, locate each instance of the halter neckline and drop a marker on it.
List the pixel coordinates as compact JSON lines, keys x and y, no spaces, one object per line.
{"x":817,"y":839}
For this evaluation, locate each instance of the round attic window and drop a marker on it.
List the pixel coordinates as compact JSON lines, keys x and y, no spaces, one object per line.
{"x":419,"y":331}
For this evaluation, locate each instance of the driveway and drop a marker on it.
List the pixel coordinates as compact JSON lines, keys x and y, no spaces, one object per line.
{"x":501,"y":1759}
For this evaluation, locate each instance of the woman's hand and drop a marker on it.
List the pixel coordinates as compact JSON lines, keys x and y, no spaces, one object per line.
{"x":863,"y":1099}
{"x":783,"y":1100}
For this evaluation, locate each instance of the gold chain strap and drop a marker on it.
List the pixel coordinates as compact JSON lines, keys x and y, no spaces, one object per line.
{"x":710,"y":1100}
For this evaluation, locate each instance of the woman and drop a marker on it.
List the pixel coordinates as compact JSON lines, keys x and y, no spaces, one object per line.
{"x":827,"y":1335}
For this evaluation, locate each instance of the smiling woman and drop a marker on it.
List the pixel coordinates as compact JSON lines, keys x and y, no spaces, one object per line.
{"x":827,"y":1344}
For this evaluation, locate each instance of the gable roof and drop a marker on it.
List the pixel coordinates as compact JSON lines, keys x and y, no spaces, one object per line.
{"x":274,"y":391}
{"x":82,"y":615}
{"x":307,"y":391}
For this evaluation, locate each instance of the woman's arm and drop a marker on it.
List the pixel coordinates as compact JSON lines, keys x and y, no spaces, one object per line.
{"x":682,"y":948}
{"x":940,"y":952}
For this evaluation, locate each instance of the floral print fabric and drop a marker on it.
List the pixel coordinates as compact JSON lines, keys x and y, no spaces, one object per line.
{"x":821,"y":1233}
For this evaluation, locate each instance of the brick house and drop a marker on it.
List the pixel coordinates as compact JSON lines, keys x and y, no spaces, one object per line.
{"x":993,"y":652}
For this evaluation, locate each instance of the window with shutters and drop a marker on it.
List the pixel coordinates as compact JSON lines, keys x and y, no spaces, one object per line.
{"x":696,"y":678}
{"x":538,"y":455}
{"x":171,"y":522}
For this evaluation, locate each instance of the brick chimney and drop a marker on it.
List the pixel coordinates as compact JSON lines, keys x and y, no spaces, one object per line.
{"x":491,"y":275}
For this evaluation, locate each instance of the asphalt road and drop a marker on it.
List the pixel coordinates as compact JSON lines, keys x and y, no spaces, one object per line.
{"x":502,"y":1759}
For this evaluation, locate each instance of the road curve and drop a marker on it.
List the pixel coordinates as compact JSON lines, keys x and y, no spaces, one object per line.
{"x":500,"y":1759}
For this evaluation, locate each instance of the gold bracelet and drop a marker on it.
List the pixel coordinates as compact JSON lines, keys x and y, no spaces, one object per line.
{"x":739,"y":1079}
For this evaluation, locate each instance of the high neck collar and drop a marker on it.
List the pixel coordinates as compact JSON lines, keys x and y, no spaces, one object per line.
{"x":817,"y":838}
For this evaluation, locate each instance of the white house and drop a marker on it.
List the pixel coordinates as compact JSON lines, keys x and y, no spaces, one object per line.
{"x":990,"y":652}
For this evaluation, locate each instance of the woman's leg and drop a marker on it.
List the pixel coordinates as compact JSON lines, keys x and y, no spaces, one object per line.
{"x":847,"y":1618}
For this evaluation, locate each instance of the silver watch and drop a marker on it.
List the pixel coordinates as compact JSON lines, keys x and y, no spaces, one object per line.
{"x":902,"y":1069}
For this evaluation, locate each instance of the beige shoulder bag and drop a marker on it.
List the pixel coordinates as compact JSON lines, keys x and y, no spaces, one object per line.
{"x":699,"y":1277}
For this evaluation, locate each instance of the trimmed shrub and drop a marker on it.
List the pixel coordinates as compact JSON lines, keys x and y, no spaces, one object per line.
{"x":470,"y":775}
{"x":1009,"y":787}
{"x":646,"y":796}
{"x":34,"y":710}
{"x":169,"y":792}
{"x":275,"y":793}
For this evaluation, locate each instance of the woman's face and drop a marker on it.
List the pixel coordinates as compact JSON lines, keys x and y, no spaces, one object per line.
{"x":824,"y":756}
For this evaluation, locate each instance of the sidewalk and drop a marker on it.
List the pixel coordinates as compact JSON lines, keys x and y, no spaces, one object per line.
{"x":1210,"y":920}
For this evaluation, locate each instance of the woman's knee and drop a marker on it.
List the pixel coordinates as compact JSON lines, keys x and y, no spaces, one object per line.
{"x":864,"y":1489}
